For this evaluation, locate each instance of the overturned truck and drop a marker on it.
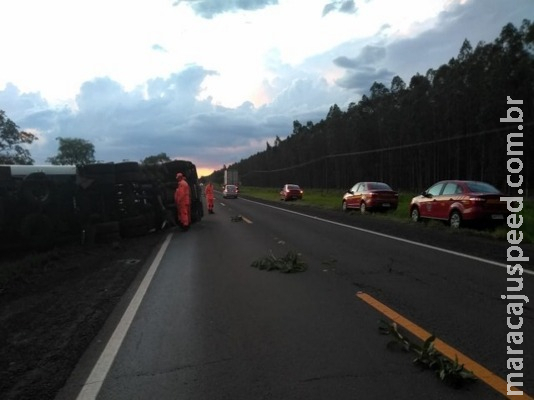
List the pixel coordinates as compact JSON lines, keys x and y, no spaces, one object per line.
{"x":44,"y":205}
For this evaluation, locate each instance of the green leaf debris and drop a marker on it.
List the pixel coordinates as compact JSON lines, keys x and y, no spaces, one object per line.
{"x":448,"y":371}
{"x":289,"y":263}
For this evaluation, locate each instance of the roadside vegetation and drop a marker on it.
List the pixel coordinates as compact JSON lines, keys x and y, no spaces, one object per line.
{"x":331,"y":200}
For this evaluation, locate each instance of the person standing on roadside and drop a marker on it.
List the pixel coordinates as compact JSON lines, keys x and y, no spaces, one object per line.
{"x":182,"y":198}
{"x":209,"y":196}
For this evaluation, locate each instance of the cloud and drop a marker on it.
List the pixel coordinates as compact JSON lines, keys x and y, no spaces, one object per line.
{"x":177,"y":110}
{"x":472,"y":20}
{"x":368,"y":55}
{"x":424,"y":45}
{"x":20,"y":104}
{"x":166,"y":115}
{"x":362,"y":80}
{"x":157,"y":47}
{"x":210,"y":8}
{"x":364,"y":69}
{"x":343,"y":6}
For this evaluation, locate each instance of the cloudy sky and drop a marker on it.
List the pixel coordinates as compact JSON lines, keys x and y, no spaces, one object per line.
{"x":212,"y":81}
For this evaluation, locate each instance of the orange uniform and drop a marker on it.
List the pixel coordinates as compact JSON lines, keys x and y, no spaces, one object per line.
{"x":182,"y":198}
{"x":209,"y":197}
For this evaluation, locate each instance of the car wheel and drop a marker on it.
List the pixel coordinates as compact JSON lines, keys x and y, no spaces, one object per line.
{"x":363,"y":207}
{"x":344,"y":206}
{"x":415,"y":214}
{"x":455,"y":220}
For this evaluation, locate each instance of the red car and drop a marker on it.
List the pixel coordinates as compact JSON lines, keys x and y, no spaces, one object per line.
{"x":458,"y":201}
{"x":370,"y":196}
{"x":291,"y":192}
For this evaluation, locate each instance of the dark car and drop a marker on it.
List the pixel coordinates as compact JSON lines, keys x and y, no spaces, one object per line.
{"x":370,"y":196}
{"x":291,"y":192}
{"x":458,"y":202}
{"x":230,"y":191}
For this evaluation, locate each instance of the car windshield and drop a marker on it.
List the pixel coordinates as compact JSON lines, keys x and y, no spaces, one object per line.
{"x":378,"y":186}
{"x":230,"y":188}
{"x":293,"y":187}
{"x":481,"y":187}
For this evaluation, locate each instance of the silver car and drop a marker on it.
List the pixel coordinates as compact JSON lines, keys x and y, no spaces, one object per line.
{"x":230,"y":191}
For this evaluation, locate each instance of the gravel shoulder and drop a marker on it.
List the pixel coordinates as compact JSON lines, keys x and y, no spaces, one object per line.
{"x":48,"y":317}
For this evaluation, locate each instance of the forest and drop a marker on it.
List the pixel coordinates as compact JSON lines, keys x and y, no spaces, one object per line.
{"x":444,"y":124}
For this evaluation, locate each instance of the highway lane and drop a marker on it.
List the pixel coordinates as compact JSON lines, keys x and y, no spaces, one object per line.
{"x":212,"y":327}
{"x":454,"y":297}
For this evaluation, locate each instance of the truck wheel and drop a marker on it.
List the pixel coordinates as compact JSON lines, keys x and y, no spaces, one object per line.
{"x":107,"y":232}
{"x":37,"y":189}
{"x":197,"y":212}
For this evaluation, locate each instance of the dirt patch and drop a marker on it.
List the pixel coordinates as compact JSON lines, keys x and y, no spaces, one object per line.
{"x":50,"y":314}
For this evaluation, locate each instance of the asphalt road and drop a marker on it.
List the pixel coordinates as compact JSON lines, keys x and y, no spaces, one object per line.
{"x":210,"y":326}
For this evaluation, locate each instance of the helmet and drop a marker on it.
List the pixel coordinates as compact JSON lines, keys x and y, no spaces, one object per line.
{"x":179,"y":176}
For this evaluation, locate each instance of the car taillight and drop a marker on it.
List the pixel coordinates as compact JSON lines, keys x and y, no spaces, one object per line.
{"x":477,"y":200}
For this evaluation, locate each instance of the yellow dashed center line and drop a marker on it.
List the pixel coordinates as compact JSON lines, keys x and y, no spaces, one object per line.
{"x":482,"y":373}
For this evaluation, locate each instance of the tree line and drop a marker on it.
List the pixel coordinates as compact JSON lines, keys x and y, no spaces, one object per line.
{"x":442,"y":125}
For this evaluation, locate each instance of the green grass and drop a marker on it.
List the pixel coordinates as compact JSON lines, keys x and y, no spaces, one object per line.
{"x":331,"y":199}
{"x":328,"y":199}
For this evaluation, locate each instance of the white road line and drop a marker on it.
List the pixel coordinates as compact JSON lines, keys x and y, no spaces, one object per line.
{"x":427,"y":246}
{"x":95,"y":380}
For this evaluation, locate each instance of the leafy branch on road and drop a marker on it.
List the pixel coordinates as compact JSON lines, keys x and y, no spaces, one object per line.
{"x":449,"y":371}
{"x":291,"y":262}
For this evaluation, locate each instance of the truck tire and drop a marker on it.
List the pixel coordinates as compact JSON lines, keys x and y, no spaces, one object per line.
{"x":107,"y":232}
{"x":37,"y":189}
{"x":196,"y":212}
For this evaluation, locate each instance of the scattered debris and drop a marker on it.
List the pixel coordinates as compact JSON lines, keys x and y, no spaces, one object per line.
{"x":291,"y":262}
{"x":330,"y":263}
{"x":449,"y":371}
{"x":129,"y":261}
{"x":236,"y":218}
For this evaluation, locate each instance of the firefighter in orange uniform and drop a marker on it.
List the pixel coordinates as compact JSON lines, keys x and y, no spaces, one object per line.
{"x":209,"y":197}
{"x":182,"y":198}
